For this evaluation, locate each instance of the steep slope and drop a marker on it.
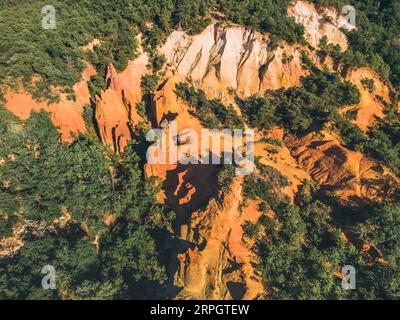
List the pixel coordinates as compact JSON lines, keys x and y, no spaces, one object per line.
{"x":116,"y":113}
{"x":320,"y":22}
{"x":370,"y":107}
{"x":223,"y":59}
{"x":66,"y":114}
{"x":351,"y":174}
{"x":220,"y":265}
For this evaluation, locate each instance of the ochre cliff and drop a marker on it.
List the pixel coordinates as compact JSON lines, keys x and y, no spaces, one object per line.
{"x":370,"y":107}
{"x":351,"y":174}
{"x":66,"y":114}
{"x":223,"y":59}
{"x":320,"y":22}
{"x":220,"y":266}
{"x":116,"y":113}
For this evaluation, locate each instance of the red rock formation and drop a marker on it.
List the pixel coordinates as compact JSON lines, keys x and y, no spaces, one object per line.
{"x":351,"y":174}
{"x":281,"y":160}
{"x":221,"y":266}
{"x":116,"y":113}
{"x":369,"y":108}
{"x":221,"y":60}
{"x":67,"y":115}
{"x":115,"y":108}
{"x":113,"y":120}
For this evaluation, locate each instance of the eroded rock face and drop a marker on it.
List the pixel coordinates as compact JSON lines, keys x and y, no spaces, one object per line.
{"x":281,"y":159}
{"x":221,"y":59}
{"x":67,"y":114}
{"x":225,"y":62}
{"x":115,"y":107}
{"x":370,"y":107}
{"x":220,"y":266}
{"x":116,"y":113}
{"x":320,"y":22}
{"x":355,"y":177}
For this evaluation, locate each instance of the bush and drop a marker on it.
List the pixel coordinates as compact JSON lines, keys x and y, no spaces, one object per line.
{"x":46,"y":180}
{"x":368,"y":84}
{"x":212,"y":113}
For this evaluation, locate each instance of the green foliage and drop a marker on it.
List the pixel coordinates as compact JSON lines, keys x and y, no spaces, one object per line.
{"x":381,"y":230}
{"x":225,"y":177}
{"x":264,"y":186}
{"x":302,"y":248}
{"x":382,"y":141}
{"x":330,"y":88}
{"x":267,"y":16}
{"x":375,"y":43}
{"x":260,"y":112}
{"x":125,"y":266}
{"x":384,"y":144}
{"x":212,"y":113}
{"x":306,"y":61}
{"x":275,"y":142}
{"x":351,"y":134}
{"x":299,"y":109}
{"x":302,"y":251}
{"x":329,"y":48}
{"x":55,"y":55}
{"x":95,"y":85}
{"x":44,"y":180}
{"x":157,"y":62}
{"x":149,"y":83}
{"x":368,"y":84}
{"x":294,"y":247}
{"x":141,"y":109}
{"x":90,"y":122}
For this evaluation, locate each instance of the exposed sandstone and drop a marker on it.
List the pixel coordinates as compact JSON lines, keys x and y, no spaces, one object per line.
{"x":281,"y":160}
{"x":369,"y":108}
{"x":116,"y":113}
{"x":66,"y":114}
{"x":351,"y":174}
{"x":221,"y":59}
{"x":220,"y":266}
{"x":320,"y":22}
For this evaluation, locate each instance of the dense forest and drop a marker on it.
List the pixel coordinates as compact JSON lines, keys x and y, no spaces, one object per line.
{"x":90,"y":185}
{"x":303,"y":247}
{"x":375,"y":43}
{"x":56,"y":55}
